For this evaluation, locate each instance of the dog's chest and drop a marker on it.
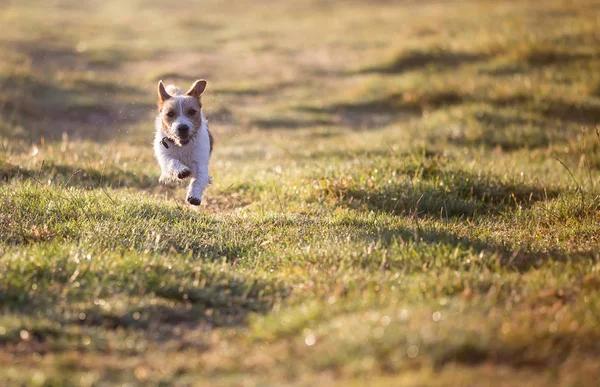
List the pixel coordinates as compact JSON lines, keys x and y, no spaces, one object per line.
{"x":185,"y":154}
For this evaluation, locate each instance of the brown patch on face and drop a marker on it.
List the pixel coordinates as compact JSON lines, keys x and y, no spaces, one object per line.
{"x":169,"y":111}
{"x":191,"y":109}
{"x":176,"y":107}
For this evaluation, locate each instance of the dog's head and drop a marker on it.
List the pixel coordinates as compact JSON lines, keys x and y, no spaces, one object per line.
{"x":180,"y":113}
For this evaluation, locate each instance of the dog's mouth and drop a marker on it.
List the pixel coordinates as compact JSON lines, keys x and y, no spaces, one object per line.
{"x":184,"y":140}
{"x":181,"y":139}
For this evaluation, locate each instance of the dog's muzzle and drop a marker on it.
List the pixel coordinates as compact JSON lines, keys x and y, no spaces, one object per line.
{"x":183,"y":134}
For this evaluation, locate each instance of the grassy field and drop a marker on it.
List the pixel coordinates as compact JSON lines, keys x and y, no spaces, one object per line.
{"x":405,"y":193}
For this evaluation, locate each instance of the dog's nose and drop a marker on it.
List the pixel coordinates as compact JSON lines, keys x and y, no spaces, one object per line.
{"x":183,"y":130}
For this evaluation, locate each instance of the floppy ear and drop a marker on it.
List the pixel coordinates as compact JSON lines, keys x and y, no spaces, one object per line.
{"x":162,"y":94}
{"x":197,"y":88}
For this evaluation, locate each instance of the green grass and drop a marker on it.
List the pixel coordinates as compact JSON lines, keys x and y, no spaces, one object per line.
{"x":405,"y":194}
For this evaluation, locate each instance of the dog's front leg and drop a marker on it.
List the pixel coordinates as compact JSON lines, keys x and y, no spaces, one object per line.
{"x":199,"y":181}
{"x":170,"y":167}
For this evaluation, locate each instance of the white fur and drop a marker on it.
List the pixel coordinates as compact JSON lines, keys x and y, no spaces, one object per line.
{"x":193,"y":156}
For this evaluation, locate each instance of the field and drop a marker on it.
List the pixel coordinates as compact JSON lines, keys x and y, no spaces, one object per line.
{"x":405,"y":193}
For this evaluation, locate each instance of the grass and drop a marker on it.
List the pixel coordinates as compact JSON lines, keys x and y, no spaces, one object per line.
{"x":405,"y":194}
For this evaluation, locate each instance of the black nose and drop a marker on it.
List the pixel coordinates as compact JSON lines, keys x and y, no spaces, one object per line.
{"x":183,"y":130}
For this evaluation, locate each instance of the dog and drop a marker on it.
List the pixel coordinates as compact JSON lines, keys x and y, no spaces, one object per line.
{"x":183,"y":144}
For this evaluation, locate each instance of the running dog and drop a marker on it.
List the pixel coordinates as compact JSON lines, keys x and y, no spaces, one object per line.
{"x":183,"y":144}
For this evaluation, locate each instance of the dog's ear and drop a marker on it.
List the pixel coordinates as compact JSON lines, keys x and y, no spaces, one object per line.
{"x":162,"y":94}
{"x":197,"y":88}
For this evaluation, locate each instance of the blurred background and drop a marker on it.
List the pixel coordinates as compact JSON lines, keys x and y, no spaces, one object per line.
{"x":508,"y":74}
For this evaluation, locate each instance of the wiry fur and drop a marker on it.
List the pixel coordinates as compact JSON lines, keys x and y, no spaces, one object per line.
{"x":184,"y":156}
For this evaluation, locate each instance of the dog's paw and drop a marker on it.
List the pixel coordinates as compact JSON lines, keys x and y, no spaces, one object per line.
{"x":165,"y":179}
{"x":186,"y":172}
{"x":194,"y":201}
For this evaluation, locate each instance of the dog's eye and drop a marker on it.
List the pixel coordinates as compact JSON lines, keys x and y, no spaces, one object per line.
{"x":191,"y":112}
{"x":170,"y":114}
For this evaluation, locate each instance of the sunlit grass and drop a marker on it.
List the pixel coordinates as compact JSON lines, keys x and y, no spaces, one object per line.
{"x":403,"y":194}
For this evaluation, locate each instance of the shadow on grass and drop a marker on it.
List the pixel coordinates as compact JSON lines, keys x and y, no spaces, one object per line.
{"x":505,"y":69}
{"x":387,"y":109}
{"x":532,"y":58}
{"x":254,"y":89}
{"x":414,"y":60}
{"x":159,"y":303}
{"x":522,"y":259}
{"x":83,"y":109}
{"x":289,"y":123}
{"x":548,"y":57}
{"x":369,"y":114}
{"x":218,"y":302}
{"x":442,"y":194}
{"x":510,"y":131}
{"x":580,"y":113}
{"x":520,"y":121}
{"x":587,"y":112}
{"x":70,"y":176}
{"x":35,"y":104}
